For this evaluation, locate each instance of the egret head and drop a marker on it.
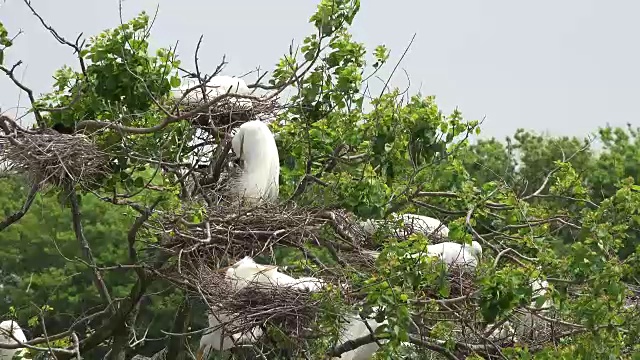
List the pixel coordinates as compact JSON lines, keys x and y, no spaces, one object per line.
{"x":476,"y":249}
{"x":368,"y":226}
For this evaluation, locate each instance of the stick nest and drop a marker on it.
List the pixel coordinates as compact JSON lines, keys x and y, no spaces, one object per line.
{"x":53,"y":158}
{"x":234,"y":231}
{"x":229,"y":111}
{"x":203,"y":250}
{"x":292,"y":310}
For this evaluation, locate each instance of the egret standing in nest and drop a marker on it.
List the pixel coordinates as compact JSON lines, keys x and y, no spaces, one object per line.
{"x":9,"y":332}
{"x":254,"y":145}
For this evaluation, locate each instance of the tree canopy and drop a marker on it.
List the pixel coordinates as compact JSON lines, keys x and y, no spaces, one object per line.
{"x":113,"y":239}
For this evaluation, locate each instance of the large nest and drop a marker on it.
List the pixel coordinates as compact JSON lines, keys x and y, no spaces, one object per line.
{"x":203,"y":249}
{"x":234,"y":231}
{"x":53,"y":158}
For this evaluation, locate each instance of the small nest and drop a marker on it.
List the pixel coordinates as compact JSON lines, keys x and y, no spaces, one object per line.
{"x":230,"y":112}
{"x":53,"y":158}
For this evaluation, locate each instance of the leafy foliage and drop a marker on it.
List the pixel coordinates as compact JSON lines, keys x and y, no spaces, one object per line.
{"x":543,"y":207}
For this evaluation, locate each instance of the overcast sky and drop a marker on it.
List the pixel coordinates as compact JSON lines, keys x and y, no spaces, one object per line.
{"x":565,"y":67}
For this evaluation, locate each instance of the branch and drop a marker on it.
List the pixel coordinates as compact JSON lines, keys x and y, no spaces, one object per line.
{"x":177,"y":344}
{"x":84,"y":244}
{"x":75,"y":46}
{"x":20,"y":213}
{"x":24,"y":88}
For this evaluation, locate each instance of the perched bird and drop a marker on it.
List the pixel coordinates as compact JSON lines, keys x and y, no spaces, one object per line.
{"x":412,"y":223}
{"x":9,"y":332}
{"x":457,"y":254}
{"x":254,"y":145}
{"x":247,"y":271}
{"x":218,"y":85}
{"x":309,"y":283}
{"x":526,"y":323}
{"x":450,"y":253}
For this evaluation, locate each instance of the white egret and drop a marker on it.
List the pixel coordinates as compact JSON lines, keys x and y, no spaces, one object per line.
{"x":412,"y":223}
{"x":220,"y":339}
{"x":9,"y":332}
{"x":457,"y":254}
{"x":502,"y":333}
{"x":253,"y":143}
{"x":357,"y":328}
{"x":309,"y":283}
{"x":449,"y":252}
{"x":527,"y":321}
{"x":218,"y":85}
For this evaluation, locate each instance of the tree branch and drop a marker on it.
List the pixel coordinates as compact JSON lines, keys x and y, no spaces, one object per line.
{"x":84,"y":245}
{"x":20,"y":213}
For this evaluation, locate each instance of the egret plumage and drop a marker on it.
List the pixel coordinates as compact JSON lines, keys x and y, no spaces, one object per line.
{"x":255,"y":146}
{"x":357,"y":328}
{"x":9,"y":332}
{"x":412,"y":223}
{"x":220,"y":339}
{"x":218,"y":85}
{"x":450,"y":253}
{"x":527,"y":323}
{"x":241,"y":274}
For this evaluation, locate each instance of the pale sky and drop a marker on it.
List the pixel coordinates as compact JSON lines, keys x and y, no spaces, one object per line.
{"x":565,"y":67}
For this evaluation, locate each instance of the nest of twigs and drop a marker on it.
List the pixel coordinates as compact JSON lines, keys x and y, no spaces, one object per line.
{"x":203,"y":250}
{"x":235,"y":231}
{"x":229,"y":111}
{"x":291,"y":310}
{"x":461,"y":280}
{"x":53,"y":158}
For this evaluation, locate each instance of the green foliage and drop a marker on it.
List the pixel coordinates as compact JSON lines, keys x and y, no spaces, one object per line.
{"x":542,"y":206}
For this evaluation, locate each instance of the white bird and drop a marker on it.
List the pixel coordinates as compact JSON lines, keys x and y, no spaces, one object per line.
{"x":255,"y":145}
{"x":502,"y":333}
{"x":10,"y":327}
{"x":412,"y":223}
{"x":220,"y":339}
{"x":309,"y":283}
{"x":457,"y":254}
{"x":241,"y":274}
{"x":527,"y":323}
{"x":449,"y":252}
{"x":357,"y":328}
{"x":218,"y":85}
{"x":247,"y":271}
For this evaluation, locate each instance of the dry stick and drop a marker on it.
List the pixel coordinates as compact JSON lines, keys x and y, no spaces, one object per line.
{"x":32,"y":99}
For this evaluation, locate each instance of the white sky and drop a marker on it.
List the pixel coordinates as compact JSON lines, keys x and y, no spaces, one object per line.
{"x":565,"y":67}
